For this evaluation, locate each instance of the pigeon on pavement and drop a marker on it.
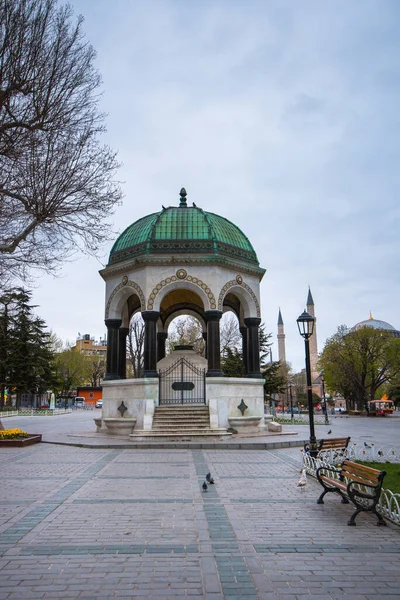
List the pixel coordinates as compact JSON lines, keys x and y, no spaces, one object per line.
{"x":205,"y":487}
{"x":210,"y":479}
{"x":330,"y":431}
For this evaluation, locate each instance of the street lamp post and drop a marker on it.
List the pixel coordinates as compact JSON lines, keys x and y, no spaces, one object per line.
{"x":291,"y":399}
{"x":325,"y":408}
{"x":305,"y":323}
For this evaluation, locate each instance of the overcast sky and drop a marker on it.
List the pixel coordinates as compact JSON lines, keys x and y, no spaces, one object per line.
{"x":282,"y":116}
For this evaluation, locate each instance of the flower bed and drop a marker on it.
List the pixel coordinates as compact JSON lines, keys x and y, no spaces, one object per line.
{"x":17,"y":437}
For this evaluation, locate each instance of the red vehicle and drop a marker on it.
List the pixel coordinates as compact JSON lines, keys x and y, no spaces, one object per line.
{"x":380,"y":408}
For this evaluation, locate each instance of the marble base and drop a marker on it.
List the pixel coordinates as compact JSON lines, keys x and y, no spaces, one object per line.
{"x":274,"y":426}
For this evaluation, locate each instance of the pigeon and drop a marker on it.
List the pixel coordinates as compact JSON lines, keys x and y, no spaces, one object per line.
{"x":366,"y":445}
{"x":380,"y":453}
{"x":330,"y":431}
{"x":205,"y":487}
{"x":210,"y":479}
{"x":194,"y":205}
{"x":303,"y":479}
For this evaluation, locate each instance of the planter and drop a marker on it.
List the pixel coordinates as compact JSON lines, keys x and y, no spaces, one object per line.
{"x":120,"y":425}
{"x":245,"y":424}
{"x":31,"y":438}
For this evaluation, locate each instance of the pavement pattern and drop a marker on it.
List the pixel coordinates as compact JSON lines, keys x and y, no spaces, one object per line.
{"x":116,"y":523}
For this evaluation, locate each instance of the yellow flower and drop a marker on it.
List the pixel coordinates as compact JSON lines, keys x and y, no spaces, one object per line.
{"x":8,"y":434}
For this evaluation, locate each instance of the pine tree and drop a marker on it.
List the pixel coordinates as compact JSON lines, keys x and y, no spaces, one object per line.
{"x":232,"y":363}
{"x":27,"y":355}
{"x":6,"y":308}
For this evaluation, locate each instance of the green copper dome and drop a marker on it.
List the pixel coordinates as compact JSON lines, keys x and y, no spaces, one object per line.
{"x":183,"y":230}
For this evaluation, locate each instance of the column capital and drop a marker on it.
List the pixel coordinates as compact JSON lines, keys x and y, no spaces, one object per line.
{"x":212,"y":315}
{"x":252,"y":322}
{"x":113,"y":323}
{"x":150,"y":315}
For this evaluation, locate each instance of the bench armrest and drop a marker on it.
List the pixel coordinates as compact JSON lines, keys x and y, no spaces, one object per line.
{"x":328,"y":470}
{"x":353,"y":490}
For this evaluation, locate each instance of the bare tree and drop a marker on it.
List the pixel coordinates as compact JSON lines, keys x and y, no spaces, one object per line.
{"x":136,"y":345}
{"x":186,"y":331}
{"x":56,"y":179}
{"x":98,"y":369}
{"x":230,"y":335}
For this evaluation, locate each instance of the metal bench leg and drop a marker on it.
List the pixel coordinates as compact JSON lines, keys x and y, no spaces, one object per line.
{"x":321,"y":498}
{"x":381,"y":521}
{"x":352,"y":520}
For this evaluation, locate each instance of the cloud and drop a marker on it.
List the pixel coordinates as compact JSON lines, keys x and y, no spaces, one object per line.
{"x":281,"y":116}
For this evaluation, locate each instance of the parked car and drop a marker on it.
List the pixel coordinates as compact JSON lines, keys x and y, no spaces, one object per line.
{"x":99,"y":404}
{"x":79,"y":402}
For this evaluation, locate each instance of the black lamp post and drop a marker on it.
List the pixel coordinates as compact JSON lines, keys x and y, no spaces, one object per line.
{"x":305,"y":323}
{"x":325,"y":408}
{"x":291,"y":399}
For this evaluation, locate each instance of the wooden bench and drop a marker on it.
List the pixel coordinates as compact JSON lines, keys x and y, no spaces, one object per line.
{"x":333,"y":450}
{"x":358,"y":483}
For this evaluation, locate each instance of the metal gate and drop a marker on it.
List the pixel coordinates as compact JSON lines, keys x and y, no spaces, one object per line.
{"x":182,"y":383}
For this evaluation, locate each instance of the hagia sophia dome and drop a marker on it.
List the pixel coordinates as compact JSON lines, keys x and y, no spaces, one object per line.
{"x":376,"y":324}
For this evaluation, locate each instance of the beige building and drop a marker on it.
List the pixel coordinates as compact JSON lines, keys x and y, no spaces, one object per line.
{"x":90,"y":346}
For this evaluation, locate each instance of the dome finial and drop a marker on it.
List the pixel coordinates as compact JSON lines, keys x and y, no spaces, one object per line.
{"x":371,"y":318}
{"x":183,"y":195}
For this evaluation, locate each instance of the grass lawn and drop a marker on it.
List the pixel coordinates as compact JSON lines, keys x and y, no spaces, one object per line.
{"x":391,"y":481}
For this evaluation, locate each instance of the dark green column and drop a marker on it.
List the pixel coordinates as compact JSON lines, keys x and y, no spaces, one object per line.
{"x":212,"y":318}
{"x":205,"y":343}
{"x":113,"y":326}
{"x":253,"y":365}
{"x":122,"y":335}
{"x":245,"y":350}
{"x":161,"y":339}
{"x":150,"y":318}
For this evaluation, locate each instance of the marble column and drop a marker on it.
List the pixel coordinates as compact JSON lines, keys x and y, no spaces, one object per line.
{"x":245,"y":350}
{"x":253,"y":366}
{"x":113,"y":326}
{"x":150,"y":318}
{"x":212,"y":318}
{"x":123,"y":334}
{"x":205,"y":343}
{"x":161,"y":339}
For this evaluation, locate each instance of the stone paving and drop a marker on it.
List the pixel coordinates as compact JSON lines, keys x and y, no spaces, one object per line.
{"x":117,"y":523}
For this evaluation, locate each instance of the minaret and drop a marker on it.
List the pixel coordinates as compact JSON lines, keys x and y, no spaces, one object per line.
{"x":313,"y":338}
{"x":281,"y":339}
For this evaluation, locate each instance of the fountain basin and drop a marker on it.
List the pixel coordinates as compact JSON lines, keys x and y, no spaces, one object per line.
{"x":120,"y":425}
{"x":245,"y":424}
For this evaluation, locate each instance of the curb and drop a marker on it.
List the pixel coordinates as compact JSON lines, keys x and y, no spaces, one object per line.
{"x":184,"y":445}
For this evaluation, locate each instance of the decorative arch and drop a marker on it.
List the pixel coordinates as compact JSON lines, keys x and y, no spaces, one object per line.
{"x":126,"y":283}
{"x":238,"y":282}
{"x":185,"y":312}
{"x":182,"y":277}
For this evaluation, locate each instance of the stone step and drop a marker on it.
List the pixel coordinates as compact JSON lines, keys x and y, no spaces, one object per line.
{"x":180,"y":422}
{"x":178,"y":434}
{"x":181,"y":409}
{"x":178,"y":426}
{"x":181,"y":418}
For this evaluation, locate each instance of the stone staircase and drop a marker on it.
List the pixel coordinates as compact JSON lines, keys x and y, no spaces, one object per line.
{"x":181,"y":423}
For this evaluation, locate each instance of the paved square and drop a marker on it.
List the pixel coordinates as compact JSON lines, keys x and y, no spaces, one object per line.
{"x":87,"y":523}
